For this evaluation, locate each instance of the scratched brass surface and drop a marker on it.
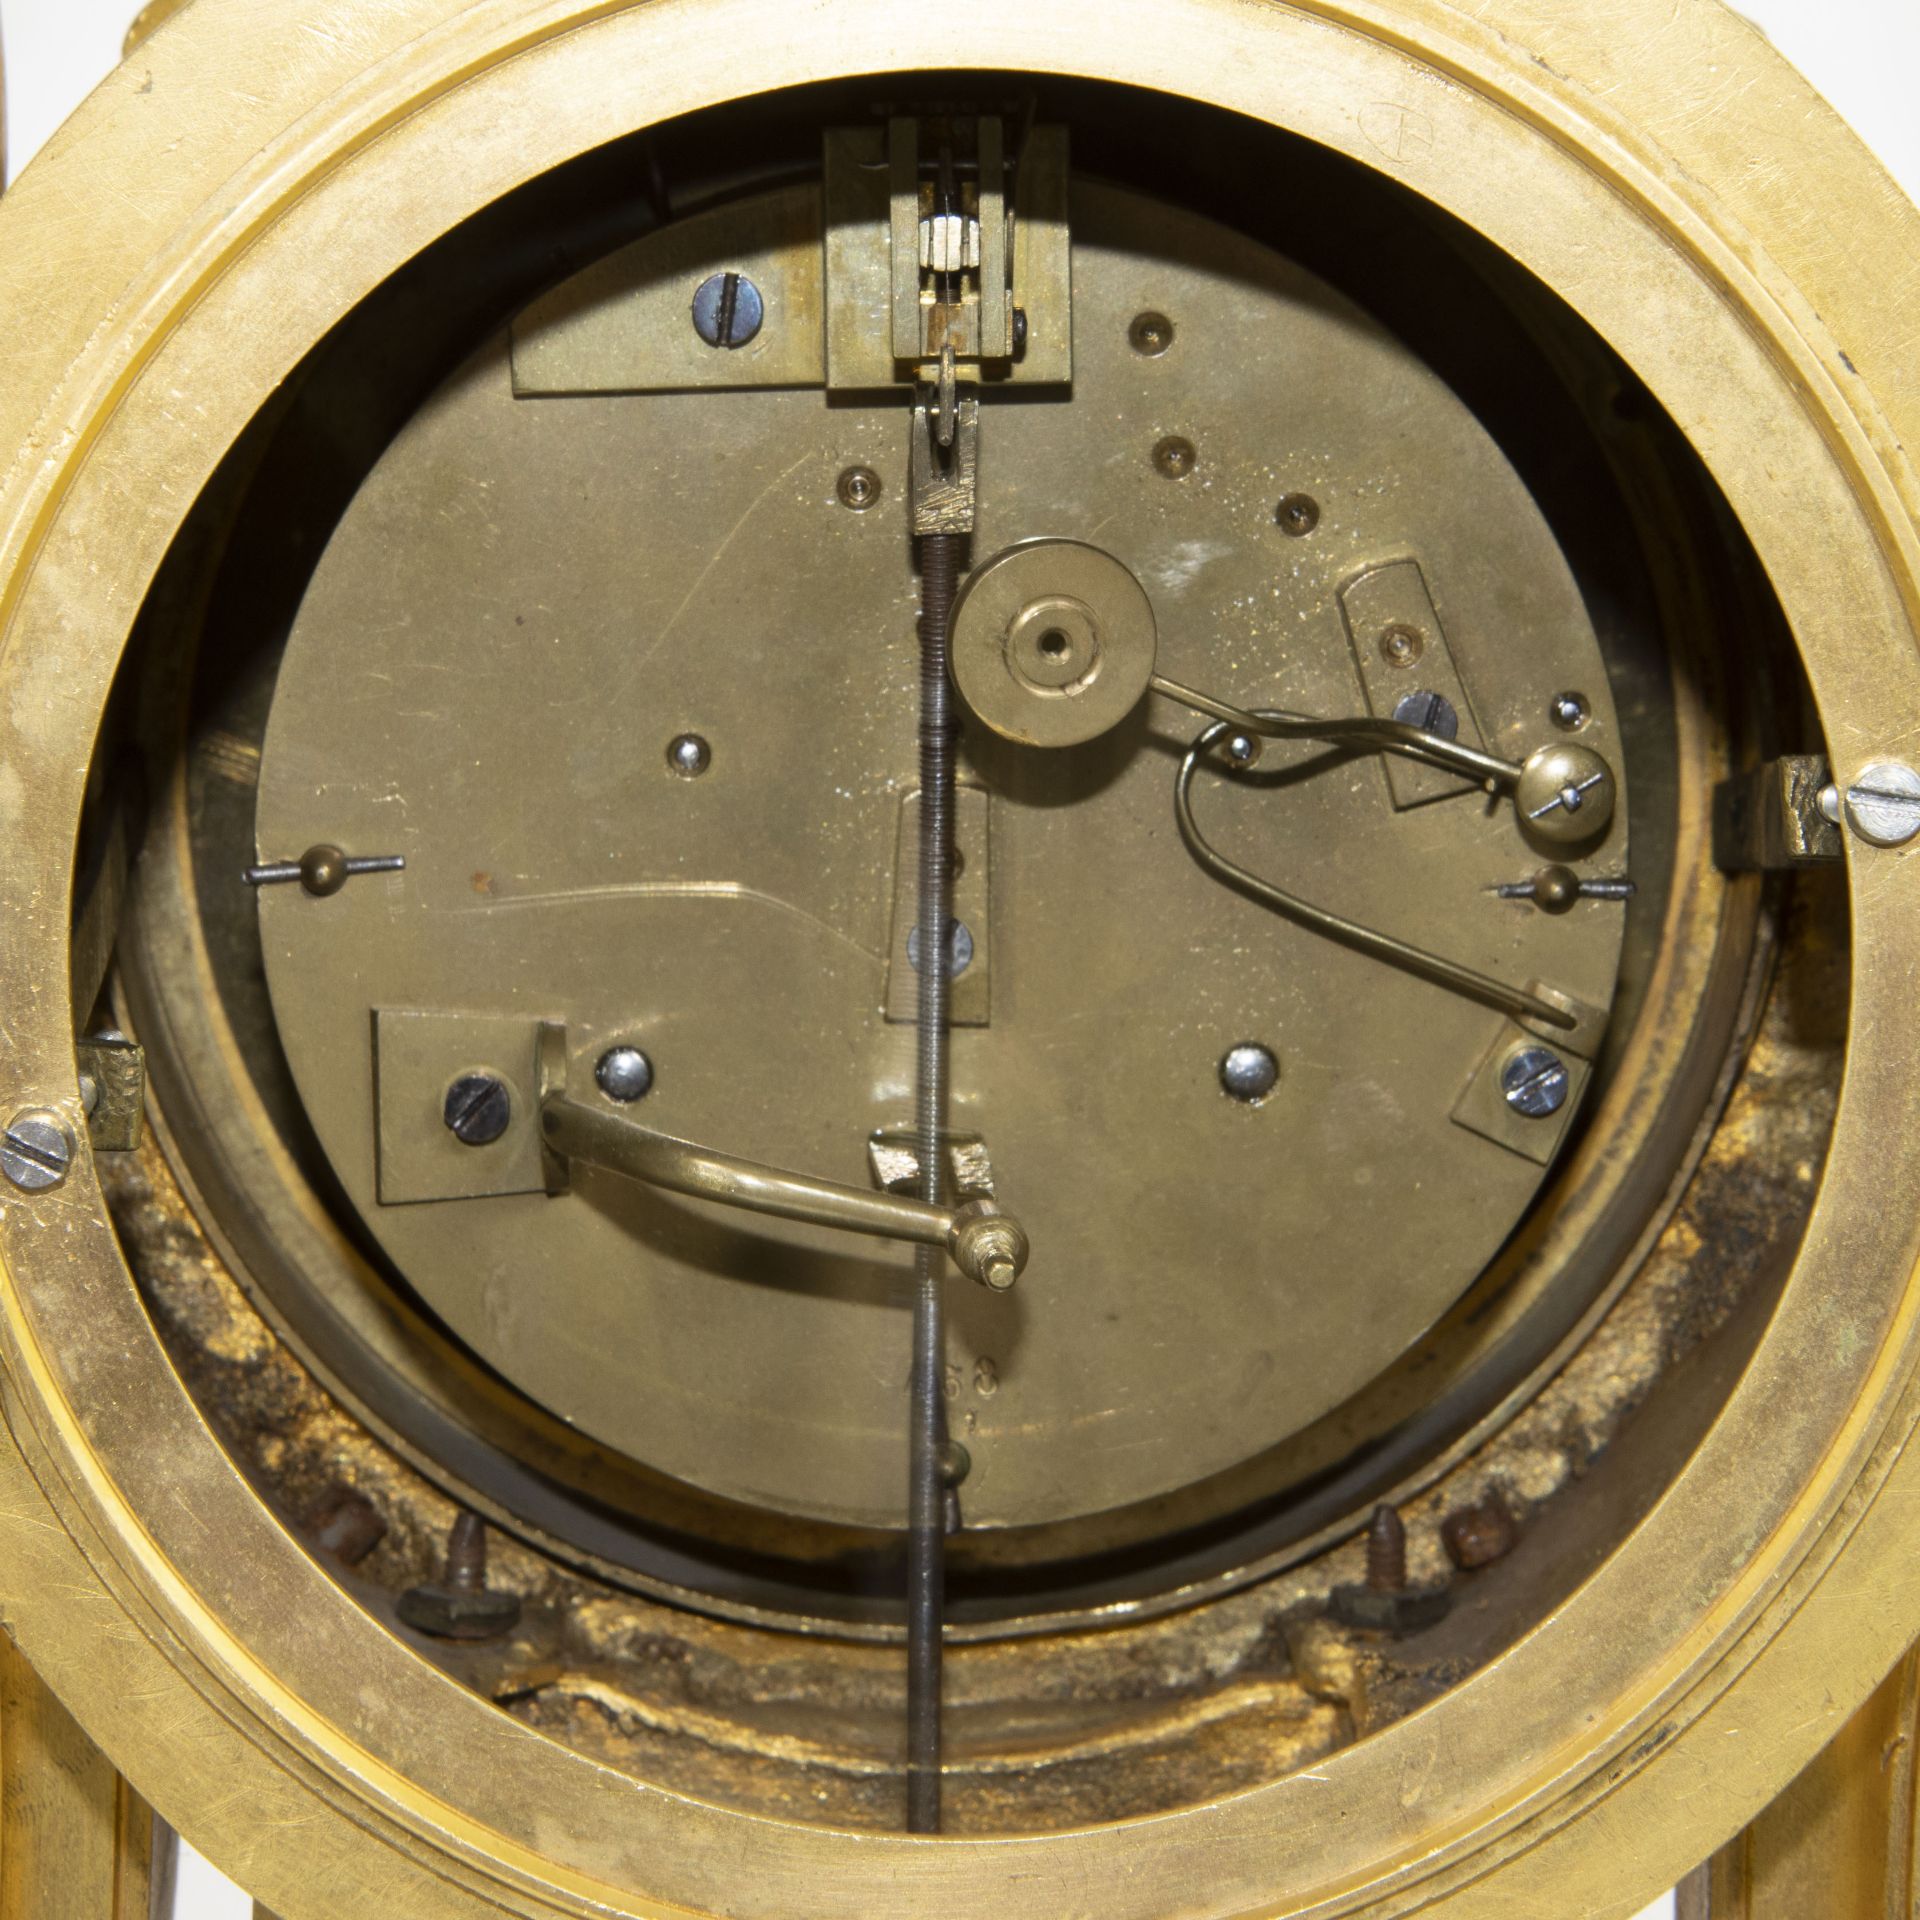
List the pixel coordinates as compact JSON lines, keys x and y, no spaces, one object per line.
{"x":1838,"y":1841}
{"x":1679,"y":186}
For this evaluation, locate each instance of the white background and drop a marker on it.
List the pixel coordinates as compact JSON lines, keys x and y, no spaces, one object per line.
{"x":1863,"y":54}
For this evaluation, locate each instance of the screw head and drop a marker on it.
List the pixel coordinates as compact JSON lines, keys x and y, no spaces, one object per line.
{"x":1401,"y":646}
{"x":624,"y":1074}
{"x":477,"y":1109}
{"x":1151,"y":334}
{"x":959,"y":948}
{"x":1431,"y":712}
{"x":1569,"y":711}
{"x":323,"y":871}
{"x":1883,"y":804}
{"x":689,"y":755}
{"x":1249,"y":1072}
{"x":859,"y":488}
{"x":37,"y":1151}
{"x":728,"y":310}
{"x":1240,"y":750}
{"x":1175,"y":457}
{"x":1535,"y":1082}
{"x":1565,"y":794}
{"x":955,"y":1463}
{"x":1298,"y":514}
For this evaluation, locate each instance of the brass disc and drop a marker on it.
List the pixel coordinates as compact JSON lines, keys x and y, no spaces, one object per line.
{"x":1053,"y":642}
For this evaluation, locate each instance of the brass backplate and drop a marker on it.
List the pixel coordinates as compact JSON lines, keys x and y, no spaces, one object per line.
{"x":580,"y":580}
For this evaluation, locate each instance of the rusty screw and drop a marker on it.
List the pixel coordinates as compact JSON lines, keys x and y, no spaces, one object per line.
{"x":347,"y":1525}
{"x":1477,"y":1536}
{"x":1386,"y":1551}
{"x":1386,"y":1604}
{"x":460,"y":1605}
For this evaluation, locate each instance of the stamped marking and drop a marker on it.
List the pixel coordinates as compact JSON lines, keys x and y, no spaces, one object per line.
{"x":1401,"y":133}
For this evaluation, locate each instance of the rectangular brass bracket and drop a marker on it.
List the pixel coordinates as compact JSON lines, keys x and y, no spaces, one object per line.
{"x":945,"y":482}
{"x":624,"y":324}
{"x":1769,"y":820}
{"x":1482,"y":1107}
{"x":416,"y":1057}
{"x":1389,"y":607}
{"x":116,"y":1073}
{"x":838,"y":267}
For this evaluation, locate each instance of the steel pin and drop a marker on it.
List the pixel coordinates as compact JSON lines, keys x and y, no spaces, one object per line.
{"x":322,"y":870}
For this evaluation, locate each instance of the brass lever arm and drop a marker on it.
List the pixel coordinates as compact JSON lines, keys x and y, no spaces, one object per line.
{"x":1400,"y":953}
{"x":1385,"y":736}
{"x":987,"y":1244}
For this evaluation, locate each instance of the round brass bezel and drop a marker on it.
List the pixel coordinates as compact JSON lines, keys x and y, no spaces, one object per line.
{"x":288,"y":160}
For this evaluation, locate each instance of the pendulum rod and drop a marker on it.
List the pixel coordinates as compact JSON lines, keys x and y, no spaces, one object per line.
{"x":941,"y":556}
{"x":943,"y":460}
{"x":940,"y":561}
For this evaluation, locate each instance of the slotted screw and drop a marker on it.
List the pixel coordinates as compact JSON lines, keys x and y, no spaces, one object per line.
{"x":728,"y":310}
{"x":1432,"y":713}
{"x":1883,"y":805}
{"x":477,"y":1109}
{"x":36,"y":1152}
{"x":1535,"y":1082}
